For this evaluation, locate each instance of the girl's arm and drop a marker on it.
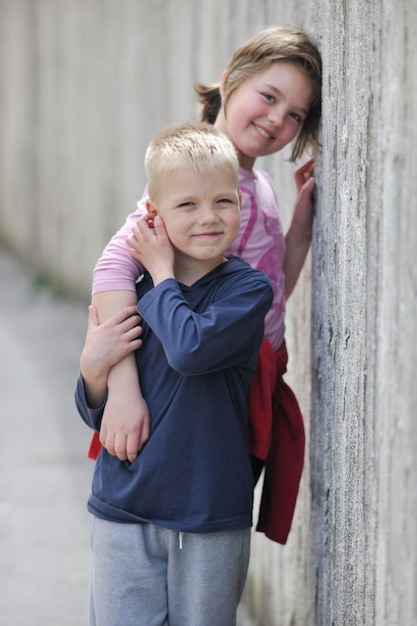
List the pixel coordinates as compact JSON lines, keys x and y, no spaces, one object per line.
{"x":117,"y":270}
{"x":105,"y":345}
{"x":298,"y":237}
{"x":125,"y":423}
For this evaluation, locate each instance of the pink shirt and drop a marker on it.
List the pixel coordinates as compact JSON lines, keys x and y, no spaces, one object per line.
{"x":260,"y":243}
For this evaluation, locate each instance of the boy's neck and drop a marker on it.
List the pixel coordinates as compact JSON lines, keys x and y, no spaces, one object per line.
{"x":189,"y":271}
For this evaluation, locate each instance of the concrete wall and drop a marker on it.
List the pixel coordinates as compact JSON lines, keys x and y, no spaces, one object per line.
{"x":84,"y":85}
{"x":363,"y":444}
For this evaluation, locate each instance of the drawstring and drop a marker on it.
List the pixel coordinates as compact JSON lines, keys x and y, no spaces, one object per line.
{"x":180,"y":540}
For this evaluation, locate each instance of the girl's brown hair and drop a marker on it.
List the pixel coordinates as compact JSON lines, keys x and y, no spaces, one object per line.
{"x":279,"y":43}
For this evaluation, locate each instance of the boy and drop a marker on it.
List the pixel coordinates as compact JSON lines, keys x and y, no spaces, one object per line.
{"x":172,"y":529}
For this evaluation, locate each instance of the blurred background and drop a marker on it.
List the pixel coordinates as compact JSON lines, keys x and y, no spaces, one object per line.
{"x":83,"y":88}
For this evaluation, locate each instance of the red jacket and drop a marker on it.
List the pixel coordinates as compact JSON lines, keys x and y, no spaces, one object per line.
{"x":276,"y":435}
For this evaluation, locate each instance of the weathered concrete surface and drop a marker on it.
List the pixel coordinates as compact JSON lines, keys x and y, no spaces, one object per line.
{"x":364,"y":435}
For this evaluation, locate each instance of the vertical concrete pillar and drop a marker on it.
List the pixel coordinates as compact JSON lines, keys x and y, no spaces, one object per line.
{"x":364,"y":436}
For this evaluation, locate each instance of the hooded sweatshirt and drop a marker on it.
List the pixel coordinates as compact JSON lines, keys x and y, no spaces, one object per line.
{"x":199,"y":352}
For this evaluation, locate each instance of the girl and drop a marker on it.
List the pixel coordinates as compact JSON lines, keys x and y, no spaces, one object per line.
{"x":269,"y":95}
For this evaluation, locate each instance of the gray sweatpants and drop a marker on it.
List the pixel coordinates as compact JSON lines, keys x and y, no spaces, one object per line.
{"x":145,"y":575}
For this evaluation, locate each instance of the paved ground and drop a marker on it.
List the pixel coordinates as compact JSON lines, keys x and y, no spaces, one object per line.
{"x":44,"y":474}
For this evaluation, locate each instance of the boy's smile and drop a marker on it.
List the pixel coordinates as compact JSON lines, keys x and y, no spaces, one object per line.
{"x":201,"y":214}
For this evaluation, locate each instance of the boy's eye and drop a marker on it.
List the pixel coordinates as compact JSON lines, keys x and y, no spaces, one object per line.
{"x":225,"y":201}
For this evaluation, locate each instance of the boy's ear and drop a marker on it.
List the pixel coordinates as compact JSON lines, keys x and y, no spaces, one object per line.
{"x":150,"y":206}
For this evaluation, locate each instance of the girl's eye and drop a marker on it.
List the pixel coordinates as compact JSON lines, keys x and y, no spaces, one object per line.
{"x":186,"y":205}
{"x":297,"y":118}
{"x":225,"y":201}
{"x":268,"y":97}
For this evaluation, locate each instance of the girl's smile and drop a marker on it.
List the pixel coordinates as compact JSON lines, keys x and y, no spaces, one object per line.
{"x":266,"y":111}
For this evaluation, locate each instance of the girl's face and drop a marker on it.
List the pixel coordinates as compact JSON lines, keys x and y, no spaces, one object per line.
{"x":266,"y":111}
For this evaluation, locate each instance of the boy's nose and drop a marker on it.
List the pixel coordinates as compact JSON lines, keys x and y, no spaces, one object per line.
{"x":209,"y":216}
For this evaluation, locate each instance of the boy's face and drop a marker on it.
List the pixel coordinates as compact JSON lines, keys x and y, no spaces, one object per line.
{"x":201,"y":214}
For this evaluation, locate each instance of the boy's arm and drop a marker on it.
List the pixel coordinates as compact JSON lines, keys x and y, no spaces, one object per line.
{"x":298,"y":237}
{"x":198,"y":343}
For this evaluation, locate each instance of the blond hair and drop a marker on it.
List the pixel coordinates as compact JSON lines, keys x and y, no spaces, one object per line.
{"x":279,"y":43}
{"x":188,"y":146}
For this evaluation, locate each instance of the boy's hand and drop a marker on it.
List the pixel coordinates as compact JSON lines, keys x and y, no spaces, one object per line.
{"x":150,"y":245}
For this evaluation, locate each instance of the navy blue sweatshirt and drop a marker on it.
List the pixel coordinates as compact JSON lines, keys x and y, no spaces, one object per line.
{"x":200,"y":345}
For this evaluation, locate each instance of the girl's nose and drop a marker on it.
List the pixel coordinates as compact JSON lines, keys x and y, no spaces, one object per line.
{"x":276,"y":116}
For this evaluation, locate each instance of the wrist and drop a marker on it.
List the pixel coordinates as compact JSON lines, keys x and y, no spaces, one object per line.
{"x":94,"y":380}
{"x":299,"y":234}
{"x":161,"y":274}
{"x":95,"y":389}
{"x":94,"y":372}
{"x":123,"y":378}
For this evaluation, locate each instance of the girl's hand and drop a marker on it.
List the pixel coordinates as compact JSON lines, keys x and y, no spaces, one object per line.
{"x":303,"y":173}
{"x":299,"y":234}
{"x":150,"y":245}
{"x":108,"y":343}
{"x":304,"y":206}
{"x":125,"y":425}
